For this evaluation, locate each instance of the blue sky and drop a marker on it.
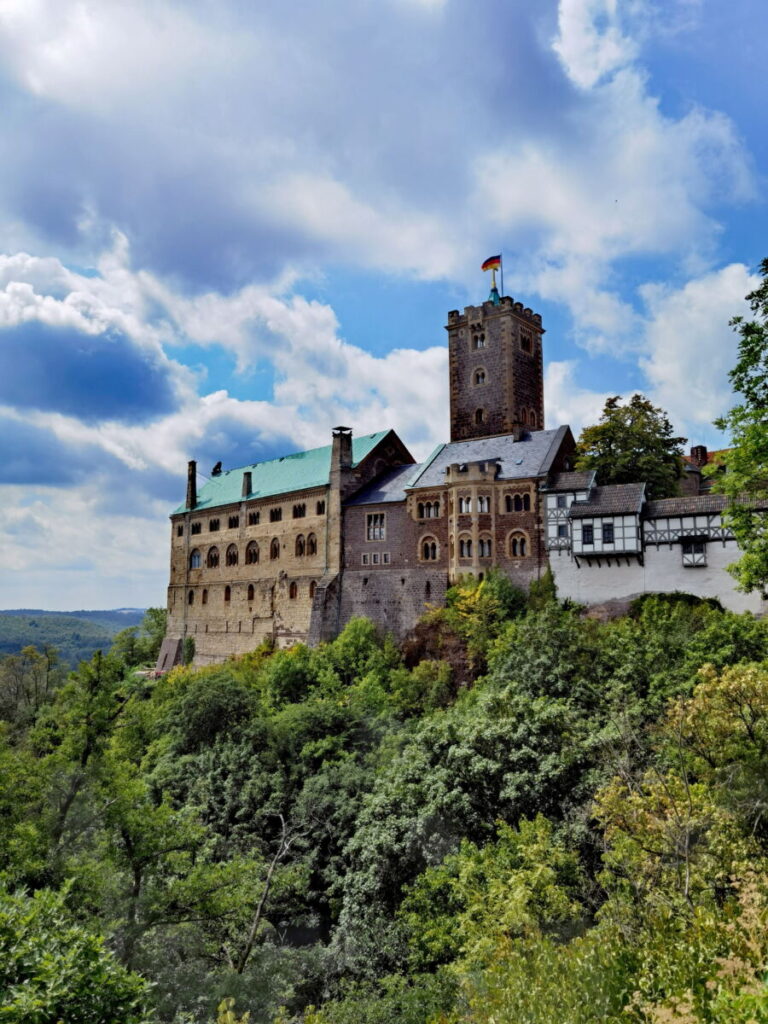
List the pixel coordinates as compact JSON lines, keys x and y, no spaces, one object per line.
{"x":228,"y":227}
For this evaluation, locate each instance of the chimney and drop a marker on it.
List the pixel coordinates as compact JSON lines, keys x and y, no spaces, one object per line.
{"x":341,"y":450}
{"x":247,"y":483}
{"x":191,"y":484}
{"x":699,"y":455}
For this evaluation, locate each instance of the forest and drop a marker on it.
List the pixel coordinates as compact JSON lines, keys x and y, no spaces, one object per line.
{"x":522,"y":815}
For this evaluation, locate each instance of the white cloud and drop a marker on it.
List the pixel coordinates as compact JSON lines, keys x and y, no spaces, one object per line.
{"x":569,"y":402}
{"x":590,"y":41}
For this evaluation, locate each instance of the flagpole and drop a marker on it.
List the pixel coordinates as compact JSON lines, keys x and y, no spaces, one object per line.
{"x":501,"y":268}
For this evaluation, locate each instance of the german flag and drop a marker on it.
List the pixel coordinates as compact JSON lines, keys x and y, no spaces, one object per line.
{"x":492,"y":263}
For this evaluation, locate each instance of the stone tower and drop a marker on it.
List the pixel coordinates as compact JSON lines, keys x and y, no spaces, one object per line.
{"x":496,"y":369}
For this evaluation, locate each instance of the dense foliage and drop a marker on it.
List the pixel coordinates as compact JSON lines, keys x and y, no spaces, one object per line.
{"x":523,"y":815}
{"x":746,"y":478}
{"x":633,"y":442}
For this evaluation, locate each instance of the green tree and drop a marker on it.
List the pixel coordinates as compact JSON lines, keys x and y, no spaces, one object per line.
{"x":745,"y":480}
{"x":633,"y":442}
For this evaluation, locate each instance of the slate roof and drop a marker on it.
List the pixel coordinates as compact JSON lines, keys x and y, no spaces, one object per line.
{"x":388,"y":487}
{"x":574,"y":481}
{"x":613,"y":499}
{"x":690,"y":505}
{"x":296,"y":472}
{"x":531,"y":456}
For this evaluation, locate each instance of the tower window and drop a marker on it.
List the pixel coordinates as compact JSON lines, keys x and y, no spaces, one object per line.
{"x":465,"y":547}
{"x":483,"y":503}
{"x":525,"y":343}
{"x":429,"y":550}
{"x":179,"y":531}
{"x":479,"y":417}
{"x":479,"y":377}
{"x":484,"y":547}
{"x":478,"y":340}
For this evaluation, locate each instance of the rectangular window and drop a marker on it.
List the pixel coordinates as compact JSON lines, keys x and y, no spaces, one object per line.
{"x":234,"y":522}
{"x":561,"y":501}
{"x":375,"y":558}
{"x":587,"y":534}
{"x":562,"y":530}
{"x":213,"y":525}
{"x":694,"y":552}
{"x":607,"y":533}
{"x":320,"y":509}
{"x":364,"y":560}
{"x":375,"y":528}
{"x":275,"y":515}
{"x":196,"y":528}
{"x":179,"y":531}
{"x":299,"y":511}
{"x":385,"y":558}
{"x":253,"y":518}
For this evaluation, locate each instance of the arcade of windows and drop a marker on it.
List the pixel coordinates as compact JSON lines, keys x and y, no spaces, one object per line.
{"x":479,"y":377}
{"x":375,"y":526}
{"x":304,"y":546}
{"x":517,"y":503}
{"x":293,"y":593}
{"x":428,"y":510}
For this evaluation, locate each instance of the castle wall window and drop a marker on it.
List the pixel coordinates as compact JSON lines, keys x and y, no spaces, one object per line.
{"x":518,"y":546}
{"x":483,"y":503}
{"x":385,"y":557}
{"x":275,"y":515}
{"x":191,"y":597}
{"x":312,"y":589}
{"x":587,"y":534}
{"x":427,"y":590}
{"x":194,"y":559}
{"x":311,"y":544}
{"x":484,"y":547}
{"x":205,"y":597}
{"x":299,"y":511}
{"x":561,"y":502}
{"x":179,"y":531}
{"x":532,"y":417}
{"x":253,"y":518}
{"x":213,"y":525}
{"x":508,"y":503}
{"x":525,"y":342}
{"x":320,"y":508}
{"x":429,"y":550}
{"x":518,"y":503}
{"x":694,"y":551}
{"x":479,"y":417}
{"x":375,"y":527}
{"x":227,"y":594}
{"x":252,"y":553}
{"x":607,"y":533}
{"x":212,"y":560}
{"x":479,"y":377}
{"x":234,"y":522}
{"x":232,"y":555}
{"x":274,"y":549}
{"x":375,"y":558}
{"x":465,"y":547}
{"x":293,"y":591}
{"x":526,"y":503}
{"x":364,"y":559}
{"x":196,"y":528}
{"x":300,"y":545}
{"x":478,"y":340}
{"x":465,"y":506}
{"x":251,"y":593}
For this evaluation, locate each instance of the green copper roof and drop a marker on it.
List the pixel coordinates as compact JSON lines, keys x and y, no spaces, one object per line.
{"x":278,"y":476}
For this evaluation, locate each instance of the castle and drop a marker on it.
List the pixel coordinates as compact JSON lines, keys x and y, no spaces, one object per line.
{"x":294,"y":547}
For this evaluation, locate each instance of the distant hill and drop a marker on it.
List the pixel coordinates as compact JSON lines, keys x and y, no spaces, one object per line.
{"x":76,"y":635}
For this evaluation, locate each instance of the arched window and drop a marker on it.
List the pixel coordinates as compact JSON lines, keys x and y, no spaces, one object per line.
{"x":311,"y":544}
{"x":526,"y":503}
{"x":465,"y":547}
{"x":251,"y":592}
{"x":300,"y":545}
{"x":465,"y":505}
{"x":293,"y":591}
{"x":436,"y":509}
{"x":205,"y":597}
{"x":312,"y":589}
{"x":507,"y":502}
{"x":232,"y":555}
{"x":227,"y":593}
{"x":533,"y":418}
{"x":427,"y":590}
{"x":518,"y":503}
{"x":212,"y":560}
{"x":522,"y":545}
{"x":429,"y":549}
{"x":194,"y":559}
{"x":421,"y":510}
{"x":252,"y":553}
{"x":484,"y":547}
{"x":191,"y":597}
{"x":478,"y":340}
{"x":517,"y":546}
{"x":274,"y":549}
{"x":479,"y":416}
{"x":479,"y":376}
{"x":483,"y":503}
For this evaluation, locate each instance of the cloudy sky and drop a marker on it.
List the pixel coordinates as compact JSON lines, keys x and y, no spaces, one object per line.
{"x":228,"y":226}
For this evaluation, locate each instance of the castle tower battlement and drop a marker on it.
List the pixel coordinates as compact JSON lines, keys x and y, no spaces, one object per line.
{"x":496,"y":369}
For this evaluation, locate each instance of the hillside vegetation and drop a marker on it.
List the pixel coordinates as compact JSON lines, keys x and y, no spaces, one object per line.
{"x":75,"y":635}
{"x":523,"y":815}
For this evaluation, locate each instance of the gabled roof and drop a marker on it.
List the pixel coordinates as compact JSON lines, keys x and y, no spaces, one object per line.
{"x":685,"y":506}
{"x":574,"y":481}
{"x":613,"y":499}
{"x":388,"y":487}
{"x":531,"y":456}
{"x":296,"y":472}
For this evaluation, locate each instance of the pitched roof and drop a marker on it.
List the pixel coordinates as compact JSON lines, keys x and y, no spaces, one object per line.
{"x":612,"y":499}
{"x":685,"y":506}
{"x":531,"y":456}
{"x":388,"y":487}
{"x":296,"y":472}
{"x":574,"y":481}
